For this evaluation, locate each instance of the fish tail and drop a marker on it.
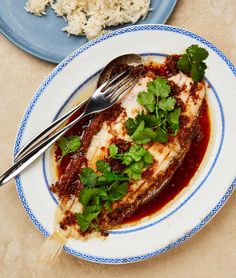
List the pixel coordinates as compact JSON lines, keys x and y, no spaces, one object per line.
{"x":52,"y":248}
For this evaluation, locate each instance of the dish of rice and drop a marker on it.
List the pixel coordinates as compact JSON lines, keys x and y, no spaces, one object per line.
{"x":90,"y":18}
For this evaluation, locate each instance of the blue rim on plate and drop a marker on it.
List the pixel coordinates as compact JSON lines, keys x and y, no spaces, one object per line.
{"x":42,"y":36}
{"x":40,"y":91}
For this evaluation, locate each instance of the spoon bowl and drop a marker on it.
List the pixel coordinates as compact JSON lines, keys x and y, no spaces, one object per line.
{"x":130,"y":62}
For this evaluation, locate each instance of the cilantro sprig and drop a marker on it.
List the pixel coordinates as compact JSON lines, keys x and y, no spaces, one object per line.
{"x":136,"y":159}
{"x":95,"y":199}
{"x":99,"y":192}
{"x":162,"y":116}
{"x":68,"y":145}
{"x":90,"y":178}
{"x":192,"y":61}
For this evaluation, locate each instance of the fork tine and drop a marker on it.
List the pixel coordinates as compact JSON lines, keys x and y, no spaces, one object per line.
{"x":108,"y":83}
{"x":117,"y":86}
{"x":126,"y":86}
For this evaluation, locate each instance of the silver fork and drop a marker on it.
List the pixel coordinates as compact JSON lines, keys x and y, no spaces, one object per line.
{"x":103,"y":98}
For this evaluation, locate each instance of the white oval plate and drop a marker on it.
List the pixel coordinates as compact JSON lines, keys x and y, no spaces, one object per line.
{"x":194,"y":206}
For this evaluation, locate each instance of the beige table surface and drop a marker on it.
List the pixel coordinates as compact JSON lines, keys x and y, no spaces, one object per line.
{"x":210,"y":253}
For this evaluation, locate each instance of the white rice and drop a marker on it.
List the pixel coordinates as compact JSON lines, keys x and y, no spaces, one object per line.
{"x":37,"y":7}
{"x":90,"y":17}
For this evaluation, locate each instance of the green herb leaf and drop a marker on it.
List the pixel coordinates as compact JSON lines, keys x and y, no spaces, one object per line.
{"x":174,"y":119}
{"x":140,"y":161}
{"x":113,"y":149}
{"x":147,"y":99}
{"x":108,"y":178}
{"x":143,"y":135}
{"x":161,"y":136}
{"x":103,"y":166}
{"x":196,"y":53}
{"x":148,"y":158}
{"x":167,"y":104}
{"x":159,"y":87}
{"x":108,"y":205}
{"x":118,"y":190}
{"x":135,"y":153}
{"x":82,"y":221}
{"x":198,"y":71}
{"x":192,"y":62}
{"x":149,"y":119}
{"x":139,"y":129}
{"x":147,"y":135}
{"x":162,"y":114}
{"x":134,"y":170}
{"x":86,"y":194}
{"x":91,"y":216}
{"x":131,"y":126}
{"x":88,"y":177}
{"x":184,"y":63}
{"x":69,"y":144}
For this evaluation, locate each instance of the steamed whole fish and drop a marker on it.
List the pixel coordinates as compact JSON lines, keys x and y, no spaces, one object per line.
{"x":109,"y":127}
{"x":106,"y":129}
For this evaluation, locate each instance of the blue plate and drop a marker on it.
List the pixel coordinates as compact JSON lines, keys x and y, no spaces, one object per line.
{"x":42,"y":36}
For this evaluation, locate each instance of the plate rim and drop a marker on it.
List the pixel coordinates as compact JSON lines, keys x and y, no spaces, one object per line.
{"x":18,"y":43}
{"x":187,"y":235}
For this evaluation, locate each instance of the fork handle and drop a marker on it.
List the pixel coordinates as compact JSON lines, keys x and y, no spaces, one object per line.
{"x":27,"y":159}
{"x":37,"y":139}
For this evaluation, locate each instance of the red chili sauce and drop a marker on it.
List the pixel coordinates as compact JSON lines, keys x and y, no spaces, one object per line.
{"x":184,"y":173}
